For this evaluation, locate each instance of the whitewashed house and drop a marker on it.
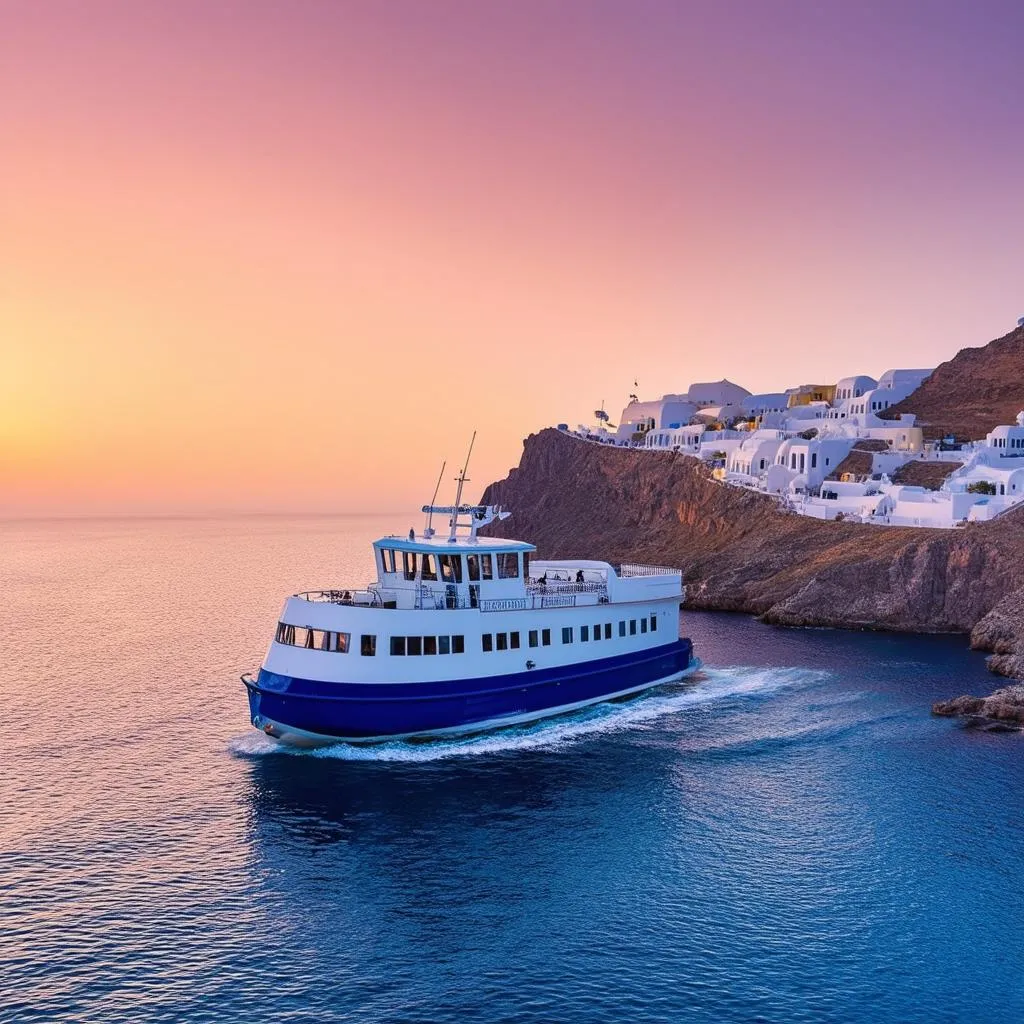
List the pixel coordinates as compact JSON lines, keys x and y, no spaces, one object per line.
{"x":808,"y":462}
{"x":758,"y":406}
{"x":640,"y":417}
{"x":853,"y":387}
{"x":750,"y":460}
{"x":716,"y":393}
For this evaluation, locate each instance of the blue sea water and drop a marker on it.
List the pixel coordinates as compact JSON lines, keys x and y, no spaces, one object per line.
{"x":788,"y":837}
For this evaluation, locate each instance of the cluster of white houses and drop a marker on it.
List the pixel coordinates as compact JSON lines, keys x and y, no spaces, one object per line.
{"x":791,"y":443}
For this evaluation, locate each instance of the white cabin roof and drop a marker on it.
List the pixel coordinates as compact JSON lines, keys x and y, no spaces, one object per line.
{"x":440,"y":542}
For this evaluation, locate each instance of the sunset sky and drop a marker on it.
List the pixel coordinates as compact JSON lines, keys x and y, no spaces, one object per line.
{"x":288,"y":256}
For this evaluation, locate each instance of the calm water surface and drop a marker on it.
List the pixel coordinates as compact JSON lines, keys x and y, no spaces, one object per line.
{"x":791,"y":838}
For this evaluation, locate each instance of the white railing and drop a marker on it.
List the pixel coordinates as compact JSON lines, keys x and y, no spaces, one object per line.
{"x":628,"y":569}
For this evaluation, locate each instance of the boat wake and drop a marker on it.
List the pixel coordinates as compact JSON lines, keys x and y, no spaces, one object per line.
{"x":708,"y":686}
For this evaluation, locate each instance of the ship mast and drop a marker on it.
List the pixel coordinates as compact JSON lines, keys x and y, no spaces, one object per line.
{"x":461,"y":478}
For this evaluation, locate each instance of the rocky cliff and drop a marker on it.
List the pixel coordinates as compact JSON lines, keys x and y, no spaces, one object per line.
{"x":976,"y":390}
{"x":740,"y":552}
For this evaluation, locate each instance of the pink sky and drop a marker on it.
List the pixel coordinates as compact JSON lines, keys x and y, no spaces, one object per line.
{"x":289,"y":255}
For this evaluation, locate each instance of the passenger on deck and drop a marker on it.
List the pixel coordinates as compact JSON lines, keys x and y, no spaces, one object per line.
{"x":543,"y":581}
{"x":579,"y":575}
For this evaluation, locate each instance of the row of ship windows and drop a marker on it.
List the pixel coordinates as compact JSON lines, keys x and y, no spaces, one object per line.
{"x":341,"y":643}
{"x":542,"y":637}
{"x":448,"y":568}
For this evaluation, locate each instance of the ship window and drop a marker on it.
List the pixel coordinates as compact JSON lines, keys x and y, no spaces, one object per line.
{"x":508,"y":565}
{"x":285,"y":633}
{"x":451,"y":568}
{"x":473,"y":568}
{"x":387,"y":557}
{"x":632,"y":627}
{"x":654,"y":622}
{"x":526,"y":565}
{"x":398,"y":645}
{"x":513,"y":640}
{"x":567,"y":634}
{"x":444,"y":645}
{"x":458,"y":644}
{"x":341,"y":642}
{"x":607,"y":631}
{"x":502,"y":641}
{"x":584,"y":634}
{"x":486,"y":567}
{"x":622,"y":627}
{"x":486,"y":641}
{"x":533,"y":639}
{"x":368,"y":644}
{"x":321,"y":639}
{"x":643,"y":625}
{"x":414,"y":644}
{"x":430,"y":645}
{"x":429,"y":572}
{"x":409,"y":564}
{"x":597,"y":631}
{"x":545,"y":637}
{"x":301,"y":636}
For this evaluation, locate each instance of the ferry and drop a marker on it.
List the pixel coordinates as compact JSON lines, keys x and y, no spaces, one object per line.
{"x":462,"y":633}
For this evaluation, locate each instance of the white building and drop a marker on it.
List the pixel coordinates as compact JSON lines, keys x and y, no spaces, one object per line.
{"x":854,"y":387}
{"x":757,"y":406}
{"x":1008,"y":441}
{"x":716,"y":393}
{"x":641,"y":417}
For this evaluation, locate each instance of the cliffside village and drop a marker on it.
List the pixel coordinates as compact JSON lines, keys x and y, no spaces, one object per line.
{"x":824,"y":450}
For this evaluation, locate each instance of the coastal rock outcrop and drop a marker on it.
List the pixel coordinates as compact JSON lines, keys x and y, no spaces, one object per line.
{"x":1003,"y":710}
{"x":740,"y":551}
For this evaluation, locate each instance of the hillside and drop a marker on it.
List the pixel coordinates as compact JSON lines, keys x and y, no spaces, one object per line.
{"x":739,"y":551}
{"x":976,"y":390}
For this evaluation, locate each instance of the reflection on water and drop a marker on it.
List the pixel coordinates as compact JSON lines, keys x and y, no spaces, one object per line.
{"x":789,"y":836}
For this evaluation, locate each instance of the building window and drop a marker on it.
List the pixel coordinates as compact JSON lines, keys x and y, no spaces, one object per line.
{"x":458,"y":644}
{"x":508,"y":565}
{"x":607,"y":631}
{"x":814,"y":460}
{"x":584,"y":634}
{"x":513,"y":640}
{"x":414,"y":645}
{"x":486,"y":641}
{"x":567,"y":634}
{"x":368,"y":645}
{"x":430,"y":645}
{"x":398,"y":646}
{"x":532,"y":639}
{"x":545,"y":637}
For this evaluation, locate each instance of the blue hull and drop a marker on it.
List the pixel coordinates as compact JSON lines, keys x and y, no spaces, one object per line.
{"x":364,"y":711}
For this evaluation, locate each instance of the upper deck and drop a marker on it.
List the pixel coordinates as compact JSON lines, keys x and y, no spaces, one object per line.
{"x":427,"y":572}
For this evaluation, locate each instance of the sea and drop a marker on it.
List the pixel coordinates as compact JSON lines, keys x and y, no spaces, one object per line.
{"x":789,"y":836}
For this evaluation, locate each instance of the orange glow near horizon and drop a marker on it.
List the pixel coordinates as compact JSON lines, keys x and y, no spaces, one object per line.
{"x":289,"y":256}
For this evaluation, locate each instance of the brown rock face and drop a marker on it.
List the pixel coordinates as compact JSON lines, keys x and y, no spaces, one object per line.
{"x":1004,"y":709}
{"x":740,"y":552}
{"x":978,"y":389}
{"x":924,"y":474}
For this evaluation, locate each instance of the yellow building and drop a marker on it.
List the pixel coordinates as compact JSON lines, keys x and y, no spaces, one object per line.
{"x":807,"y":393}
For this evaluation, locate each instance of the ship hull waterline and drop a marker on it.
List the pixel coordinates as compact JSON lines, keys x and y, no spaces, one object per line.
{"x":390,"y":712}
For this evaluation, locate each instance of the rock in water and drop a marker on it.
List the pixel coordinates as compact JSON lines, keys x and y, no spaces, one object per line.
{"x":1002,"y":711}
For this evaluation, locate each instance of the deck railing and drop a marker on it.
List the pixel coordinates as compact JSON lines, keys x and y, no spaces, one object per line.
{"x":628,"y":569}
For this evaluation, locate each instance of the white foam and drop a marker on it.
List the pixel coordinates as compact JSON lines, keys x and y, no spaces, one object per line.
{"x":707,"y":687}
